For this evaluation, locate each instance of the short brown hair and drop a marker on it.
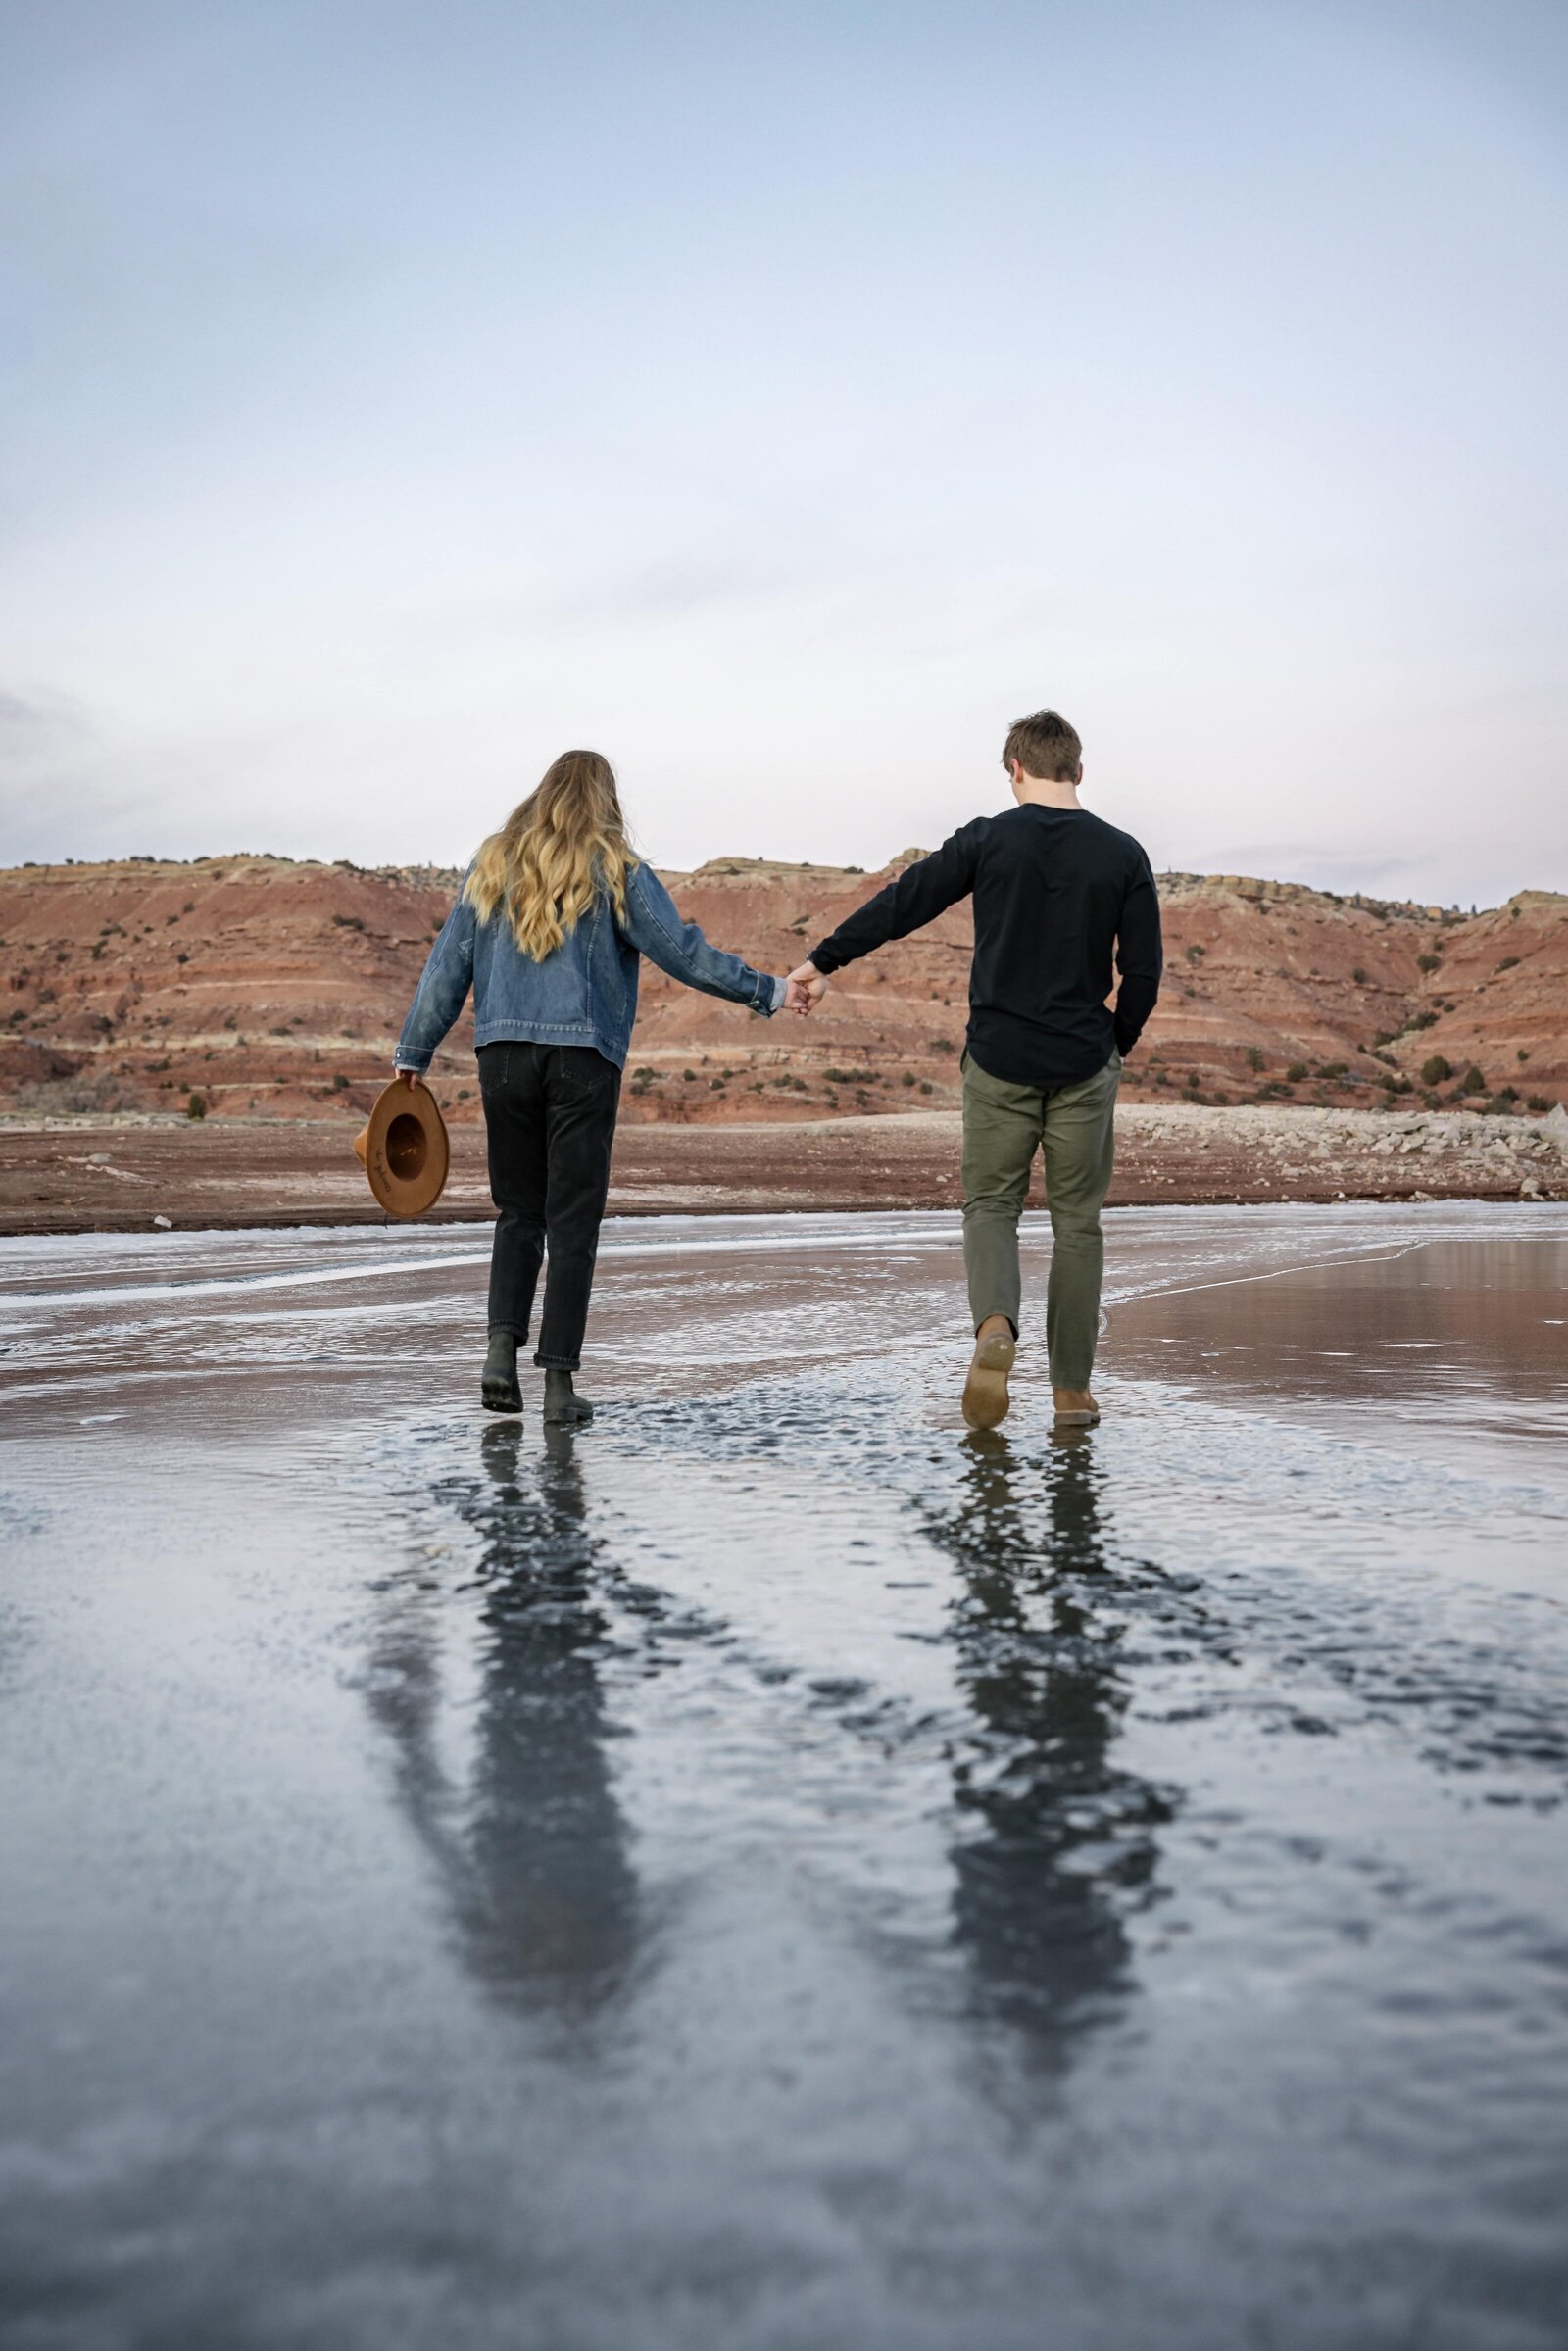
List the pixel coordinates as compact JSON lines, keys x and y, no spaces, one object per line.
{"x":1044,"y":747}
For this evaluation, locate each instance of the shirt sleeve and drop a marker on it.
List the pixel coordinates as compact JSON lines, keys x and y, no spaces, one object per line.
{"x":1139,"y":956}
{"x":443,"y":988}
{"x":653,"y":924}
{"x":921,"y":893}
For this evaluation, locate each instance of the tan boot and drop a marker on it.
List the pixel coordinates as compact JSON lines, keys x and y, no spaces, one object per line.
{"x":1076,"y":1408}
{"x":984,"y":1391}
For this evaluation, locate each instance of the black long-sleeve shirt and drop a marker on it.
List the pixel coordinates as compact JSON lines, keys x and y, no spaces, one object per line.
{"x":1056,"y":891}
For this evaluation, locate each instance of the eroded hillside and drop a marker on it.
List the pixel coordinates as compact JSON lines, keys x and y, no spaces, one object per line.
{"x":266,"y":987}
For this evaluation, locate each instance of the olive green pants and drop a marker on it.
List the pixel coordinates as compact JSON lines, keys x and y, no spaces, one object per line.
{"x":1002,"y":1128}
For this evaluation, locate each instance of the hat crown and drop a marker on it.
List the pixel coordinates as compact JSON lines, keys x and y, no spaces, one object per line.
{"x":406,"y":1149}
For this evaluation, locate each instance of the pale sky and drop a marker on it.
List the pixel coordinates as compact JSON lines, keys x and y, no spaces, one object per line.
{"x":781,"y":401}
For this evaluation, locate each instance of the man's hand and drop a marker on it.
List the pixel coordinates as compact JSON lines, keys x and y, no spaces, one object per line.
{"x":806,"y":987}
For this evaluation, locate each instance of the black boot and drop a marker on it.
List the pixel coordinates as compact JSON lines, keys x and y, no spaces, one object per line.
{"x":564,"y":1408}
{"x":498,"y":1386}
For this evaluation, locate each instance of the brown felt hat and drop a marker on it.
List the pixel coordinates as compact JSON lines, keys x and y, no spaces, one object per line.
{"x":404,"y":1148}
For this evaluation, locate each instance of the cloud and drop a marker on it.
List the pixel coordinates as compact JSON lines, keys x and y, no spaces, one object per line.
{"x":19,"y":717}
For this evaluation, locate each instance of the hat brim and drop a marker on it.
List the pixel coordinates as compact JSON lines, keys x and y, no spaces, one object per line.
{"x":404,"y":1148}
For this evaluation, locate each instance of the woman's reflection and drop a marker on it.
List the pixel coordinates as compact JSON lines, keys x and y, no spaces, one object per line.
{"x":533,"y":1850}
{"x":1060,"y":1841}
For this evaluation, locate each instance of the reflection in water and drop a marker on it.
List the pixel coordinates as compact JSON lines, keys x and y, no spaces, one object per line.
{"x":1060,"y":1841}
{"x":533,"y":1853}
{"x":1462,"y":1332}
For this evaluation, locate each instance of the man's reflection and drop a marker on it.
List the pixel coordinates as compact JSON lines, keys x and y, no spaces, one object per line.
{"x":533,"y":1850}
{"x":1060,"y":1841}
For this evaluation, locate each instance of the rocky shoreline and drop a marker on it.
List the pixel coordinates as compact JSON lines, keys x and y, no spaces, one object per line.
{"x":139,"y":1170}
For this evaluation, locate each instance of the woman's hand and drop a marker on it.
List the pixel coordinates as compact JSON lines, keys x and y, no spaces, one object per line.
{"x":410,"y":1077}
{"x":807,"y":987}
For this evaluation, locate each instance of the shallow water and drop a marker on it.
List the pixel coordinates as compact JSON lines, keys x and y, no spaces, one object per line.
{"x":775,"y":1871}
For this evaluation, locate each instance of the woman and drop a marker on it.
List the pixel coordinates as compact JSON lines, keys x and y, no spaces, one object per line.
{"x":547,"y":931}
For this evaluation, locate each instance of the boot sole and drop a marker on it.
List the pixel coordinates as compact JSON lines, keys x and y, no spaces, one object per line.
{"x":986,"y":1402}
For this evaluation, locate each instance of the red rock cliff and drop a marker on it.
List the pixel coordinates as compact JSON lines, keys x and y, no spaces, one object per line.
{"x":272,"y":988}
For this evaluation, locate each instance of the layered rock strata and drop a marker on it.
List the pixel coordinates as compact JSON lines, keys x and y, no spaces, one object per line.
{"x":259,"y":986}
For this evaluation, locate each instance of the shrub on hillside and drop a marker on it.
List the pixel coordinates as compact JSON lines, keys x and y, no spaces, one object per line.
{"x":1433,"y":1069}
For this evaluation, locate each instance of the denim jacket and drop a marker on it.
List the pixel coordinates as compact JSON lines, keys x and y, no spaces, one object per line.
{"x":585,"y":993}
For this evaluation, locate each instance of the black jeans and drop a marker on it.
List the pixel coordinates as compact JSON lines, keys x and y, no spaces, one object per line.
{"x":550,"y":1114}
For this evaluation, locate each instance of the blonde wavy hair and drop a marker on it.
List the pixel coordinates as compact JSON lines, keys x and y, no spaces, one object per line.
{"x":556,"y":852}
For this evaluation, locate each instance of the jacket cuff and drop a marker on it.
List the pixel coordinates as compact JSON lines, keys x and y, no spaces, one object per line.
{"x":770,"y":994}
{"x":826,"y":962}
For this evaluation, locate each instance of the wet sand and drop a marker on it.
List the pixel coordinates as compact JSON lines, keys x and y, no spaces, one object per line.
{"x":77,"y":1176}
{"x":775,"y":1871}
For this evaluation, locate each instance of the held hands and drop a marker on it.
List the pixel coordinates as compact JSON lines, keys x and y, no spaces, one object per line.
{"x":804,"y":988}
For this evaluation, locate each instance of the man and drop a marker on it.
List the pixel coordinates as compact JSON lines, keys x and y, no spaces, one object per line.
{"x":1056,"y":891}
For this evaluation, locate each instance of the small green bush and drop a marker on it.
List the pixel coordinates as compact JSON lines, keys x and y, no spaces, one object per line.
{"x":1472,"y":1081}
{"x":1537,"y":1102}
{"x":340,"y":1083}
{"x":1294,"y":1072}
{"x":1433,"y":1069}
{"x":195,"y":1107}
{"x":1359,"y":976}
{"x":1254,"y":1058}
{"x":1428,"y":962}
{"x":1507,"y":964}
